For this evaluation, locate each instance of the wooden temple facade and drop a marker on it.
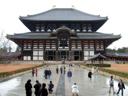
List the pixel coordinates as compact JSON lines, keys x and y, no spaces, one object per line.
{"x":62,"y":33}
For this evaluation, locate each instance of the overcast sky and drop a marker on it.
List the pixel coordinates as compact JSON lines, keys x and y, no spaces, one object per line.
{"x":115,"y":10}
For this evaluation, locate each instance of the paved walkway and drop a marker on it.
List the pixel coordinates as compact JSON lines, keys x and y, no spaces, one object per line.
{"x":60,"y":91}
{"x":98,"y":86}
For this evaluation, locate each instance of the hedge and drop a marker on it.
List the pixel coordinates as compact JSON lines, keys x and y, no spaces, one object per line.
{"x":98,"y":65}
{"x":121,"y":74}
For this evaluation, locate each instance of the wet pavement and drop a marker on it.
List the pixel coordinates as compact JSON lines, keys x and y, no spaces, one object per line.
{"x":98,"y":86}
{"x":60,"y":91}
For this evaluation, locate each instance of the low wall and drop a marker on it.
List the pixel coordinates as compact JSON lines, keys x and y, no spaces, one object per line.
{"x":46,"y":62}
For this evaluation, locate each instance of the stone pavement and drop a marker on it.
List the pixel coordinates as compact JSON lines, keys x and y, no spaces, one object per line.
{"x":15,"y":86}
{"x":98,"y":86}
{"x":60,"y":91}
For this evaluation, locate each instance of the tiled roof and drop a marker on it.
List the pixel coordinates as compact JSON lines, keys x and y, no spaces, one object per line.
{"x":118,"y":54}
{"x":63,"y":14}
{"x":97,"y":56}
{"x":97,"y":35}
{"x":47,"y":35}
{"x":29,"y":35}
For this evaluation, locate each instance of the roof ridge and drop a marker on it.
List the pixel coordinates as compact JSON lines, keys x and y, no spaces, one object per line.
{"x":44,"y":12}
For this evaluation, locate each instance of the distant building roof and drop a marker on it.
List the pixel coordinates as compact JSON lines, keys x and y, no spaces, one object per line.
{"x":63,"y":14}
{"x":98,"y":57}
{"x":118,"y":54}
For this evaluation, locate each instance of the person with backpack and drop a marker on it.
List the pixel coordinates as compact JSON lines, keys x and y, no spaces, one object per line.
{"x":111,"y":85}
{"x":121,"y":87}
{"x":50,"y":87}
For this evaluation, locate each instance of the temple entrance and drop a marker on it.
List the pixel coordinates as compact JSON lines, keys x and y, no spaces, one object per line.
{"x":63,"y":55}
{"x":77,"y":55}
{"x":49,"y":55}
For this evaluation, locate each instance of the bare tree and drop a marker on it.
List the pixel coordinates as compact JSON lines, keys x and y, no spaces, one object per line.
{"x":4,"y":47}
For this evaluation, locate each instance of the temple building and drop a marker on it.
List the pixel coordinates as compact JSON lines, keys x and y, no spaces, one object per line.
{"x":62,"y":33}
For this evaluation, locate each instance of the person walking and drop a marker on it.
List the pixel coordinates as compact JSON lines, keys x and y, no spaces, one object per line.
{"x":28,"y":88}
{"x":50,"y":87}
{"x":45,"y":73}
{"x":61,"y":70}
{"x":121,"y":87}
{"x":49,"y":74}
{"x":33,"y":72}
{"x":64,"y":69}
{"x":44,"y":91}
{"x":69,"y":75}
{"x":36,"y":72}
{"x":37,"y":87}
{"x":111,"y":85}
{"x":75,"y":90}
{"x":57,"y":70}
{"x":90,"y":74}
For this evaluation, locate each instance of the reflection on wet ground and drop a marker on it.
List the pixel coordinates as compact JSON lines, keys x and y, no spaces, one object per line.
{"x":98,"y":86}
{"x":9,"y":85}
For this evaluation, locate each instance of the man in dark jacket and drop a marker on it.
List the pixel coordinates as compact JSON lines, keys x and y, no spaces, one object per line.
{"x":90,"y":75}
{"x":50,"y":87}
{"x":37,"y":87}
{"x":28,"y":88}
{"x":44,"y":91}
{"x":121,"y":87}
{"x":49,"y":74}
{"x":45,"y":73}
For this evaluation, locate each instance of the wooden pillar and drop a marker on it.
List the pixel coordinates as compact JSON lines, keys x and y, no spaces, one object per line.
{"x":94,"y":46}
{"x":82,"y":46}
{"x":76,"y":44}
{"x":56,"y":58}
{"x":32,"y":50}
{"x":88,"y":44}
{"x":50,"y":46}
{"x":70,"y":50}
{"x":22,"y":48}
{"x":44,"y":47}
{"x":104,"y":45}
{"x":70,"y":55}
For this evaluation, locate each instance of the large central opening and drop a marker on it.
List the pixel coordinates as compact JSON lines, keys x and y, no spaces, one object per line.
{"x":63,"y":55}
